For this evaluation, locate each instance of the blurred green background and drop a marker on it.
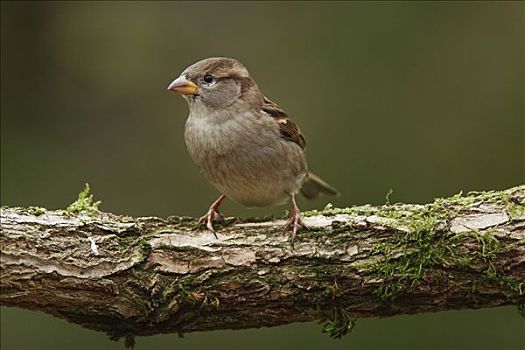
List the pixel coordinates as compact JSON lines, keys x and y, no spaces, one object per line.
{"x":423,"y":98}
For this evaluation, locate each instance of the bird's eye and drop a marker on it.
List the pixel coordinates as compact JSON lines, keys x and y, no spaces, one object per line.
{"x":208,"y":78}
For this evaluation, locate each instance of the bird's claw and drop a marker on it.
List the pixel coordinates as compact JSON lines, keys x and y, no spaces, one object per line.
{"x":211,"y":215}
{"x":294,"y":224}
{"x":208,"y":219}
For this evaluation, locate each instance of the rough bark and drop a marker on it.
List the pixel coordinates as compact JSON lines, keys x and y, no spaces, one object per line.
{"x":141,"y":276}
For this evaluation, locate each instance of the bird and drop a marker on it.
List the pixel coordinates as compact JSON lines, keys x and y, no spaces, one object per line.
{"x":244,"y":143}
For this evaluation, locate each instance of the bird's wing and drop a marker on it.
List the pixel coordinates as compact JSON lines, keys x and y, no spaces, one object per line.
{"x":289,"y":130}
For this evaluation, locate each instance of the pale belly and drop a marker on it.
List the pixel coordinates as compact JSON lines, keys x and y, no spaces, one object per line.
{"x":255,"y":178}
{"x":258,"y":168}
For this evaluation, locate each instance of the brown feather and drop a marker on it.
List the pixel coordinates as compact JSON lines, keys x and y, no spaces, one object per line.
{"x":313,"y":185}
{"x":289,"y":130}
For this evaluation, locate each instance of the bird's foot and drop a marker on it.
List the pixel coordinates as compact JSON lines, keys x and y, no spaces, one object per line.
{"x":212,"y":215}
{"x":208,"y":219}
{"x":294,"y":224}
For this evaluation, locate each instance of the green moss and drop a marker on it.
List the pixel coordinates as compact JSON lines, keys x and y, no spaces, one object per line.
{"x":521,"y":309}
{"x":408,"y":259}
{"x":516,"y":210}
{"x":312,"y":233}
{"x":511,"y":199}
{"x":145,"y":248}
{"x":333,"y":291}
{"x":129,"y":342}
{"x":36,"y":211}
{"x":183,"y":222}
{"x":273,"y":279}
{"x":340,"y":323}
{"x":329,"y":210}
{"x":387,"y":196}
{"x":422,"y":241}
{"x":488,"y":252}
{"x":84,"y":203}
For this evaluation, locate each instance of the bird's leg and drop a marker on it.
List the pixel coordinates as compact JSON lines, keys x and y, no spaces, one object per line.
{"x":295,"y":222}
{"x":212,"y":214}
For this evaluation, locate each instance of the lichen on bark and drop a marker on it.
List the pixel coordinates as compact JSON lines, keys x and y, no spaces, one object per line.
{"x":141,"y":276}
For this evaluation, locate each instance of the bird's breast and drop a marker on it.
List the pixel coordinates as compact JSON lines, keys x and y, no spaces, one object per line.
{"x":245,"y":158}
{"x":208,"y":138}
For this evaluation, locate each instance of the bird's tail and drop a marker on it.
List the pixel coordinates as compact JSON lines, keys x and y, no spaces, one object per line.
{"x":313,"y":185}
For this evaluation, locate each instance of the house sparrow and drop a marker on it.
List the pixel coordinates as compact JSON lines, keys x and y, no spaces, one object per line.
{"x":243,"y":143}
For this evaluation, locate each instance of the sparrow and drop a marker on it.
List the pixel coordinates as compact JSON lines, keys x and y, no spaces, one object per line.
{"x":244,"y":143}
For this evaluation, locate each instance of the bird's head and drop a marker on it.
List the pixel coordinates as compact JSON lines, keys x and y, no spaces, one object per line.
{"x":216,"y":84}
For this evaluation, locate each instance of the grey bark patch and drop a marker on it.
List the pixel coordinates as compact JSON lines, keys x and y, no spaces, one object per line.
{"x":478,"y":221}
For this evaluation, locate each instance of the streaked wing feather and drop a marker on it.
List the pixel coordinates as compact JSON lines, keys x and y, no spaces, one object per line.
{"x":289,"y":130}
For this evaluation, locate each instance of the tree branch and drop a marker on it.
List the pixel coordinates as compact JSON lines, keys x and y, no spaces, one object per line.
{"x":141,"y":276}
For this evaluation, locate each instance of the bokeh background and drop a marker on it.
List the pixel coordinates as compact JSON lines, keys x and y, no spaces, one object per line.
{"x":423,"y":98}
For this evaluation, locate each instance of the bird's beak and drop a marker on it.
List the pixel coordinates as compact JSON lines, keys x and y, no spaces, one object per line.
{"x":182,"y":86}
